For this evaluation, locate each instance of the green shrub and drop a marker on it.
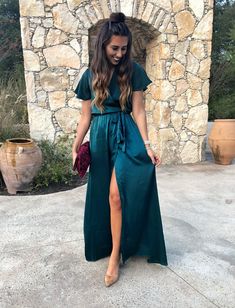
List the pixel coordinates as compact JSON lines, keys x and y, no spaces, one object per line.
{"x":222,"y":82}
{"x":14,"y":131}
{"x":222,"y":108}
{"x":13,"y":106}
{"x":10,"y":38}
{"x":57,"y":164}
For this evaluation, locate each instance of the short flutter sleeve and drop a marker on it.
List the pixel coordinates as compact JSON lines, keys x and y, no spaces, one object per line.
{"x":140,"y":79}
{"x":83,"y":90}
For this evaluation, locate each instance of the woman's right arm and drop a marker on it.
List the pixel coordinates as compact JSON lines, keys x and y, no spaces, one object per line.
{"x":82,"y":127}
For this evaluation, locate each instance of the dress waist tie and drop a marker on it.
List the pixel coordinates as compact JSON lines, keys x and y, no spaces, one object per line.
{"x":121,"y":131}
{"x":121,"y":127}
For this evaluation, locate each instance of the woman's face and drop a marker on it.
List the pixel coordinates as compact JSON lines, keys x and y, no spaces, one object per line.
{"x":116,"y":48}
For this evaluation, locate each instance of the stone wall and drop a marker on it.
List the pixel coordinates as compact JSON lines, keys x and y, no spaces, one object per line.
{"x":172,"y":40}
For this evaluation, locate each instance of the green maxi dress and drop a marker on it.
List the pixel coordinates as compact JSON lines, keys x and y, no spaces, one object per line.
{"x":115,"y":142}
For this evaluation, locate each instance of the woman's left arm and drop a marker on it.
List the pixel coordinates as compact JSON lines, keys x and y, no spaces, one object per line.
{"x":139,"y":114}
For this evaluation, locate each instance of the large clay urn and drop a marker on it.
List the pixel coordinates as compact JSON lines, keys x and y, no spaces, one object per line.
{"x":222,"y":141}
{"x":20,"y":161}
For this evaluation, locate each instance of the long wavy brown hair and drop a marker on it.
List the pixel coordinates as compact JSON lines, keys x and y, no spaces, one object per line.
{"x":101,"y":67}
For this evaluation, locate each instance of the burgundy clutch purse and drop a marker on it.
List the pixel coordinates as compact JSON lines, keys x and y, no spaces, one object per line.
{"x":83,"y":159}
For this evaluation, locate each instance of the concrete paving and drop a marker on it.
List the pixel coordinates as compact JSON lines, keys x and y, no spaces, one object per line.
{"x":42,"y":261}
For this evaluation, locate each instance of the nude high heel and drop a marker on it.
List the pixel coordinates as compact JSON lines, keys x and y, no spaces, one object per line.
{"x":111,"y":279}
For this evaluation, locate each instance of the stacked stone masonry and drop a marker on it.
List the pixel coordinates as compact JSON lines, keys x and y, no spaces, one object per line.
{"x":172,"y":40}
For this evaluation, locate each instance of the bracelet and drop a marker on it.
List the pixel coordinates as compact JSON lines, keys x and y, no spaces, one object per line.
{"x":146,"y":142}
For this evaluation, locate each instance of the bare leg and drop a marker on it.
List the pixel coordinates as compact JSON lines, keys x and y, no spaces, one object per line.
{"x":116,"y":223}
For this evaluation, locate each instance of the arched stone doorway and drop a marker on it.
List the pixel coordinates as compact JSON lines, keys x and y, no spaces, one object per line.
{"x":172,"y":40}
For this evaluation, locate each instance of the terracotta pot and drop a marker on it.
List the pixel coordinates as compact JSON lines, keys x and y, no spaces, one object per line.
{"x":20,"y":160}
{"x":222,"y":141}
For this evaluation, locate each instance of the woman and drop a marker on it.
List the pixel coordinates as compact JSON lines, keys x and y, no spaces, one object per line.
{"x":122,"y":215}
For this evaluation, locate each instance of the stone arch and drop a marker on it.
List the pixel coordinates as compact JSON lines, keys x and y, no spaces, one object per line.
{"x":154,"y":19}
{"x":151,"y":12}
{"x":175,"y":56}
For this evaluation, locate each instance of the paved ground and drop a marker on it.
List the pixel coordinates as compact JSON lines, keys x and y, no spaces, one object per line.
{"x":42,"y":260}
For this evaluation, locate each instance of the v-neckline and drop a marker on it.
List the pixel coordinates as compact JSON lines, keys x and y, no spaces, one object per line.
{"x":112,"y":74}
{"x":111,"y":77}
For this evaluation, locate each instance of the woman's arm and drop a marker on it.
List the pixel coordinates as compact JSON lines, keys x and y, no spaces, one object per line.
{"x":82,"y":127}
{"x":139,"y":114}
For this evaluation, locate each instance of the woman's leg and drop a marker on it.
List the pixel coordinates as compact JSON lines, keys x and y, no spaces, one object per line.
{"x":116,"y":224}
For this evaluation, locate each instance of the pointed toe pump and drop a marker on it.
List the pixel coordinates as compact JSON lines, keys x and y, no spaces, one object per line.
{"x":110,"y":279}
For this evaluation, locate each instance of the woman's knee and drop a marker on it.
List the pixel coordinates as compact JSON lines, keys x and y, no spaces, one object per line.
{"x":115,"y":201}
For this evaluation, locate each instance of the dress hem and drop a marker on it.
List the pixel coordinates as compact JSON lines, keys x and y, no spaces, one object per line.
{"x":124,"y":260}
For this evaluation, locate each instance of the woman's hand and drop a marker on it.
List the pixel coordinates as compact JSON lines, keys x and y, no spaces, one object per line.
{"x":155,"y":159}
{"x":74,"y":155}
{"x":82,"y":127}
